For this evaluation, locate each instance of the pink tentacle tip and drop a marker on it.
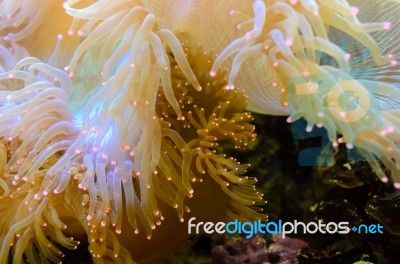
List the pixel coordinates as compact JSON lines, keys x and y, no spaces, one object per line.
{"x":385,"y":179}
{"x":355,"y":10}
{"x":387,"y":25}
{"x":230,"y":87}
{"x":349,"y":146}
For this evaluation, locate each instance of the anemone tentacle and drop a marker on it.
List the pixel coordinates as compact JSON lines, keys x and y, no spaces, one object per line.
{"x":311,"y":47}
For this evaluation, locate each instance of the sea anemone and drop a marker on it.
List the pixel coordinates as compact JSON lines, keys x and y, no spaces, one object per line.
{"x":323,"y":61}
{"x":110,"y":154}
{"x":35,"y":129}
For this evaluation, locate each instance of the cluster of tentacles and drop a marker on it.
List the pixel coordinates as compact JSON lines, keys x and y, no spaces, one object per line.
{"x":114,"y":114}
{"x":117,"y":155}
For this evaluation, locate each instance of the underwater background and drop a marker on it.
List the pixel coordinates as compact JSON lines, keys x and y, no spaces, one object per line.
{"x":345,"y":190}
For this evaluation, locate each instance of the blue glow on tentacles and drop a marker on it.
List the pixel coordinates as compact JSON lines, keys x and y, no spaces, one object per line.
{"x":107,"y":138}
{"x":87,"y":75}
{"x":96,"y":109}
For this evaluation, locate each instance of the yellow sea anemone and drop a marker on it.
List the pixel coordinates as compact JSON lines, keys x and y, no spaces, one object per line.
{"x":112,"y":153}
{"x":125,"y":146}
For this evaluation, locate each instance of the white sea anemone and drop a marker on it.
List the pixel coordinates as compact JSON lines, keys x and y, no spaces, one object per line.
{"x":323,"y":61}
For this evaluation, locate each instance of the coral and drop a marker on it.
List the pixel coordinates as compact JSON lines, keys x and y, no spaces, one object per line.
{"x":254,"y":251}
{"x":285,"y":249}
{"x":250,"y":251}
